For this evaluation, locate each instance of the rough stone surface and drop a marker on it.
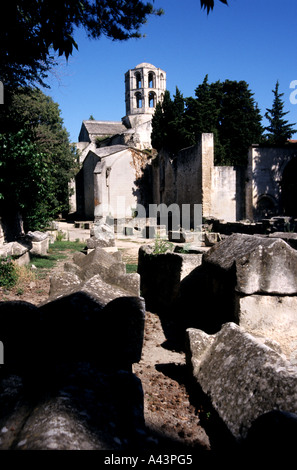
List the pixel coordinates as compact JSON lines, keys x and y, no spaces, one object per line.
{"x":63,"y":282}
{"x":39,"y":241}
{"x":18,"y":249}
{"x":37,"y":236}
{"x":289,"y":237}
{"x":66,"y":382}
{"x":211,"y":238}
{"x":85,"y":409}
{"x":260,"y":265}
{"x":98,"y":273}
{"x":161,"y":274}
{"x":270,"y":315}
{"x":102,"y":235}
{"x":243,"y":376}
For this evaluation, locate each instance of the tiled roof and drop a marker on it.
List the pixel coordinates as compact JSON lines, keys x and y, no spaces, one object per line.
{"x":104,"y":128}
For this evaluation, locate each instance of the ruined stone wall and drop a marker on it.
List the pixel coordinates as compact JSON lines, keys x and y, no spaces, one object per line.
{"x":224,"y":194}
{"x":188,"y":173}
{"x":263,"y":189}
{"x":190,"y":177}
{"x":121,"y":183}
{"x":115,"y":190}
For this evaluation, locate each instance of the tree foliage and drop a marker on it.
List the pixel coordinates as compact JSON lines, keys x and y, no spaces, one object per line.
{"x":209,"y":4}
{"x":31,"y":31}
{"x":167,"y":131}
{"x":226,"y":109}
{"x":36,"y":159}
{"x":279,"y":130}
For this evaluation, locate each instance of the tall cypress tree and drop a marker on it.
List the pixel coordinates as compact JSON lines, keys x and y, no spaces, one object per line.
{"x":239,"y":123}
{"x":202,"y":112}
{"x":167,"y":127}
{"x":279,"y":129}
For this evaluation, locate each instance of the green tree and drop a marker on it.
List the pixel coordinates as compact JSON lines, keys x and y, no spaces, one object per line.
{"x":239,"y":123}
{"x":202,"y":112}
{"x":32,"y":31}
{"x":36,"y":159}
{"x":279,"y":130}
{"x":226,"y":109}
{"x":167,"y":128}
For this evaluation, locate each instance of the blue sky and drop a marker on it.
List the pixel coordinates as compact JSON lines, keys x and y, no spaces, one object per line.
{"x":251,"y":40}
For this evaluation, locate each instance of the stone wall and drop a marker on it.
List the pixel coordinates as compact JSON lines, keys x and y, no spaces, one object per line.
{"x":190,"y":177}
{"x":107,"y":182}
{"x":227,"y":198}
{"x":266,"y":165}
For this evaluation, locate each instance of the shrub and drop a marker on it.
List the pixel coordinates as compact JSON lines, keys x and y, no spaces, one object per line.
{"x":162,"y":246}
{"x":8,"y":273}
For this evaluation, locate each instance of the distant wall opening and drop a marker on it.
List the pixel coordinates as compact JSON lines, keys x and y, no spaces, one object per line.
{"x":138,"y":100}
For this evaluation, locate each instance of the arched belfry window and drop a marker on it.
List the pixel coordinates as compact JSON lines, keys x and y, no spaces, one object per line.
{"x":152,"y":99}
{"x":138,"y":80}
{"x":138,"y":100}
{"x":151,"y":80}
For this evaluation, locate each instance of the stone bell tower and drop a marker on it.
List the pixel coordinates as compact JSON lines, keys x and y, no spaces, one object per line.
{"x":144,"y":88}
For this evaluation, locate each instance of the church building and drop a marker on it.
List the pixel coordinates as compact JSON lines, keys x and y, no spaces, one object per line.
{"x":113,"y":153}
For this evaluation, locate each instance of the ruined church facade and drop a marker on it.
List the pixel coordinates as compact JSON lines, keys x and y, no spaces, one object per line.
{"x":115,"y":154}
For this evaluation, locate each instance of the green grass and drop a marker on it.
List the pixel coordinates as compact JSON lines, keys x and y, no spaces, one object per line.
{"x":47,"y":261}
{"x":131,"y":268}
{"x":55,"y":253}
{"x":66,"y":245}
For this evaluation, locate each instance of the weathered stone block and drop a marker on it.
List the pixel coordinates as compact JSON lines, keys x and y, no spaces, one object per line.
{"x":100,"y":274}
{"x":243,"y":377}
{"x":99,"y":328}
{"x":210,"y":238}
{"x":101,"y":290}
{"x":63,"y":282}
{"x":37,"y":236}
{"x":87,"y":409}
{"x":18,"y":250}
{"x":102,"y":235}
{"x":289,"y":237}
{"x":270,"y":315}
{"x":161,"y":275}
{"x":256,"y":264}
